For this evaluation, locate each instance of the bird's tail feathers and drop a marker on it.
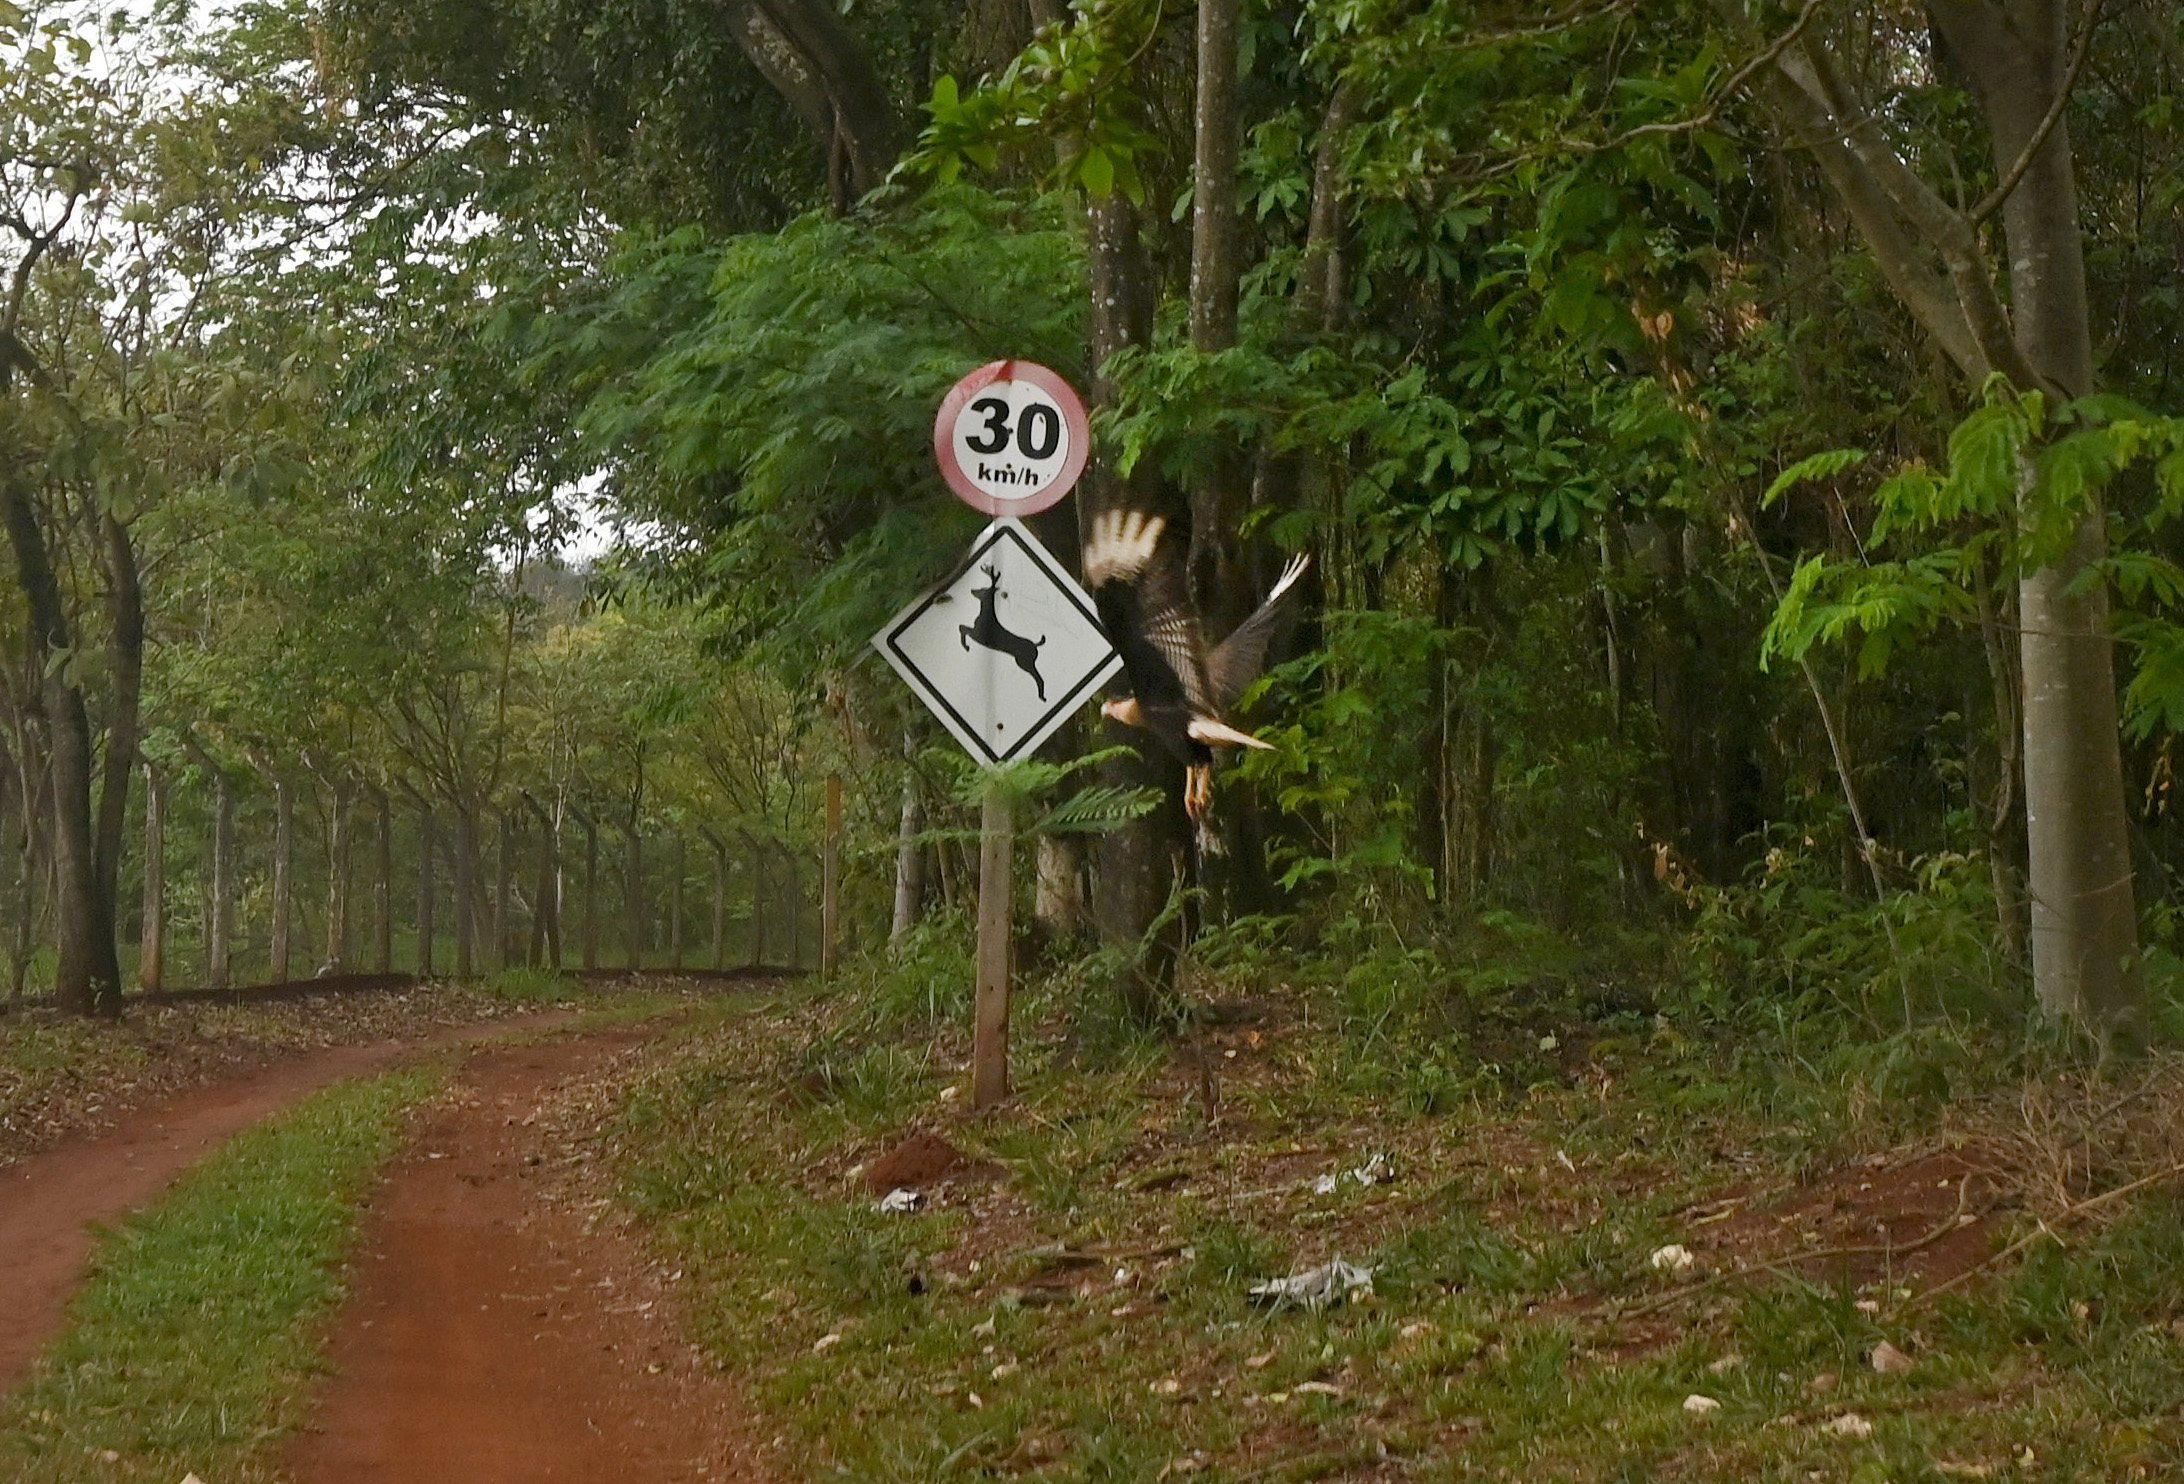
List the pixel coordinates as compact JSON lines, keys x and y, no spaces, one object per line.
{"x":1205,"y":729}
{"x":1296,"y":569}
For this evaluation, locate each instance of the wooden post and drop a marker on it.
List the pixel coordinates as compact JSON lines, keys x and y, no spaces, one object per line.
{"x":152,"y":938}
{"x":830,"y":881}
{"x":996,"y":885}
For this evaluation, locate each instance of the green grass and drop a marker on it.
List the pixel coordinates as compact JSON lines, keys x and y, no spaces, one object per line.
{"x":1542,"y":1158}
{"x":193,"y":1346}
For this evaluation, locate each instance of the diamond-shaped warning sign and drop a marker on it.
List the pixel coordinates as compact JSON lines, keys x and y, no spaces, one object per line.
{"x":1006,"y":651}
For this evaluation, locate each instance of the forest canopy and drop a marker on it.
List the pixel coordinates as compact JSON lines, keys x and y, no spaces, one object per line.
{"x":453,"y":457}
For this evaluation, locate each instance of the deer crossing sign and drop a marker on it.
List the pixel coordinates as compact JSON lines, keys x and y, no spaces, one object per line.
{"x":1003,"y":652}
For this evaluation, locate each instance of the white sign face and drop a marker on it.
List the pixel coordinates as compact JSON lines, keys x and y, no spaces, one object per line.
{"x":1004,"y":652}
{"x":1011,"y":438}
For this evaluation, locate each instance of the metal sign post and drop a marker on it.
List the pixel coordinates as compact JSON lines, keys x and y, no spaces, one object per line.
{"x":1007,"y":650}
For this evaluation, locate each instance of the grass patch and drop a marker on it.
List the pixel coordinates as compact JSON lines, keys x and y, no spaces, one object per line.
{"x":1085,"y":1317}
{"x":192,"y":1347}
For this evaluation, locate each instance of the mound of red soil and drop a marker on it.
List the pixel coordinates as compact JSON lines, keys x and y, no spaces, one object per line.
{"x":922,"y":1160}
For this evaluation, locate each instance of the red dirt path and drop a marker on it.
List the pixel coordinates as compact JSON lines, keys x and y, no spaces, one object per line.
{"x":49,"y":1201}
{"x":499,"y":1331}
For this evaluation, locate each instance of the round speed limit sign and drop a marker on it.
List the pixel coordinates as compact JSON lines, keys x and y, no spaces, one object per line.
{"x":1011,"y":438}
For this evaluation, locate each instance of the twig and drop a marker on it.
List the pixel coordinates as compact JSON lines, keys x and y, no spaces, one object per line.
{"x":1992,"y":202}
{"x":1776,"y":1265}
{"x":2044,"y":1230}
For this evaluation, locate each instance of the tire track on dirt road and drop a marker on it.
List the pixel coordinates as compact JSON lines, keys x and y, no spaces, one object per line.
{"x":50,"y":1201}
{"x":497,"y":1331}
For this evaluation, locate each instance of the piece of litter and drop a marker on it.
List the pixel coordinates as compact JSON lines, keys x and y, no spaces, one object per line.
{"x":901,"y":1200}
{"x":975,"y":1400}
{"x":1325,"y":1185}
{"x":1375,"y":1171}
{"x":1890,"y":1361}
{"x":1674,"y":1258}
{"x":825,"y":1342}
{"x":1315,"y":1388}
{"x":1700,"y":1406}
{"x":1316,"y":1288}
{"x":1850,"y":1425}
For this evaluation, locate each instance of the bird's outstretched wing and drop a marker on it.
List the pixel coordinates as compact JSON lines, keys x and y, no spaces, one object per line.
{"x":1134,"y":564}
{"x":1236,"y":662}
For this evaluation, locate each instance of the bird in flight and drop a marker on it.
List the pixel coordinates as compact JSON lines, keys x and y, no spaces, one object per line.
{"x":1134,"y":564}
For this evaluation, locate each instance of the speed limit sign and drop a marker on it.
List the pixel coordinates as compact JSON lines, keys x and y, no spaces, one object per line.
{"x":1011,"y":438}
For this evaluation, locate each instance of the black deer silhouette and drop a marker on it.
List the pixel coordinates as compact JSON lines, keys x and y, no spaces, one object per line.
{"x":987,"y":630}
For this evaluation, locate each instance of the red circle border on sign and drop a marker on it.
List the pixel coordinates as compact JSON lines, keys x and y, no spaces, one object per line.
{"x":1065,"y":397}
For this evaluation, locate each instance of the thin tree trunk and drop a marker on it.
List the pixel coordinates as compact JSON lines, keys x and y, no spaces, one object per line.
{"x":219,"y":951}
{"x":909,"y":867}
{"x":674,"y":907}
{"x":503,"y":889}
{"x":338,"y":880}
{"x":720,"y":900}
{"x":758,"y":900}
{"x":425,"y":891}
{"x":152,"y":937}
{"x":633,"y":896}
{"x":383,"y":888}
{"x":284,"y":842}
{"x":466,"y":860}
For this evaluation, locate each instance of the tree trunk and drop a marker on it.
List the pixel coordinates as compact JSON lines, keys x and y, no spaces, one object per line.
{"x":758,"y":901}
{"x":1138,"y":862}
{"x":152,"y":936}
{"x":1058,"y":894}
{"x":633,"y":896}
{"x":383,"y":888}
{"x":674,"y":904}
{"x":337,"y":881}
{"x":720,"y":900}
{"x":909,"y":867}
{"x":503,"y":889}
{"x":425,"y":892}
{"x":284,"y":844}
{"x":219,"y":951}
{"x":87,"y":975}
{"x":546,"y":911}
{"x":2085,"y":956}
{"x":819,"y":67}
{"x":466,"y":860}
{"x":591,"y":891}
